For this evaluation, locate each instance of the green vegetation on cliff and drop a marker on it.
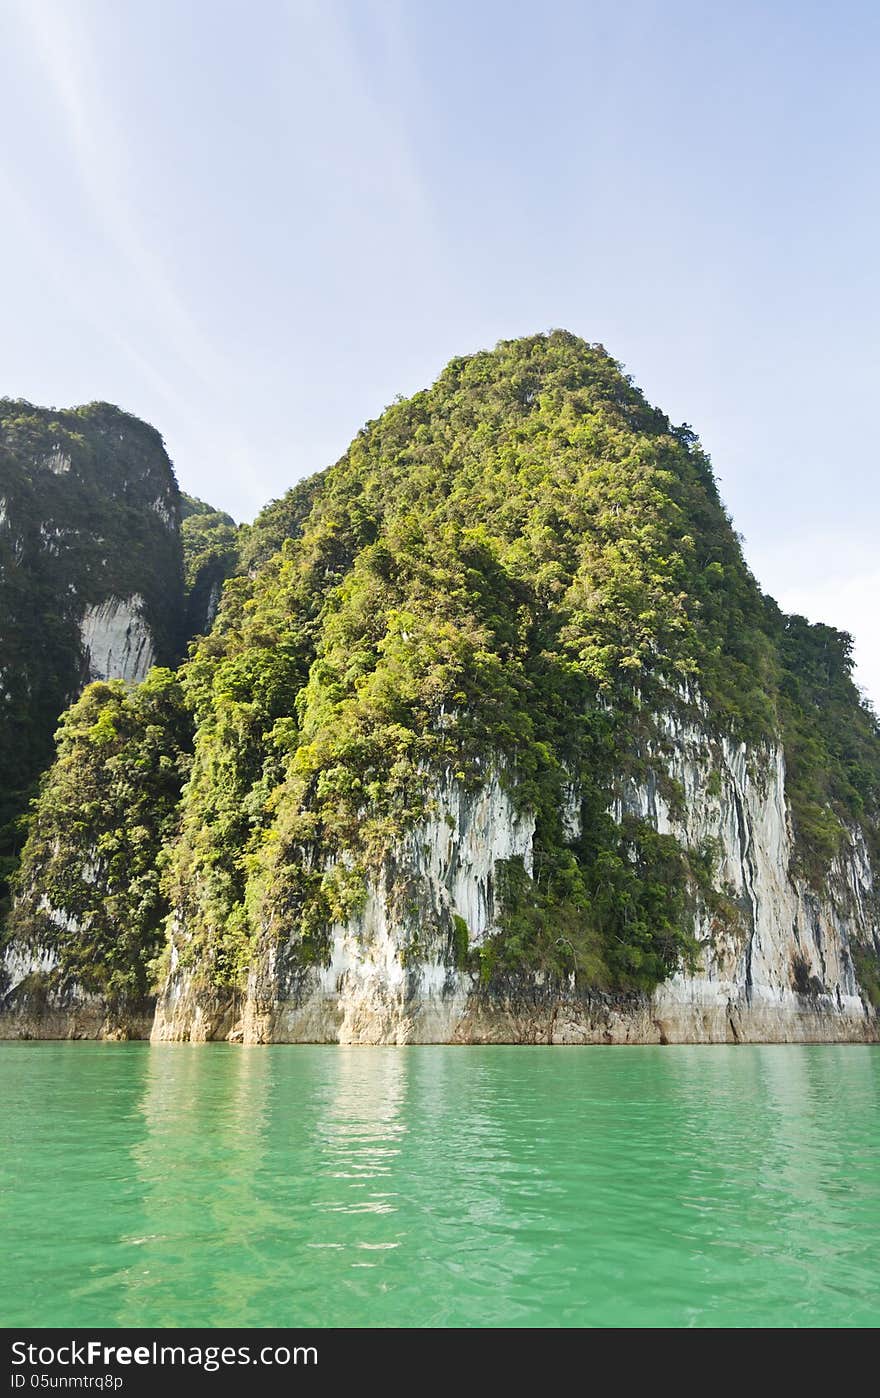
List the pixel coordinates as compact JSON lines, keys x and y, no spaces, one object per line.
{"x":519,"y":567}
{"x":90,"y":883}
{"x":514,"y":571}
{"x":88,"y":511}
{"x":278,"y":521}
{"x":210,"y":555}
{"x":831,"y":742}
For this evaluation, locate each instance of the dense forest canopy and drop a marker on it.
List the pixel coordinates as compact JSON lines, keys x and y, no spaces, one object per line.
{"x":514,"y":571}
{"x":123,"y":753}
{"x":210,"y":541}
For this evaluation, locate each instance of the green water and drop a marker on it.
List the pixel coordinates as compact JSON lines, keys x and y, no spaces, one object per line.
{"x":439,"y":1186}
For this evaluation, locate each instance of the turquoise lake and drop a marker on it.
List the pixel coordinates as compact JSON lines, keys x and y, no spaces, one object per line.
{"x":439,"y":1186}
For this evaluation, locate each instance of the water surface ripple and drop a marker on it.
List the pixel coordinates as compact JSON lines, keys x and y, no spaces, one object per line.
{"x":439,"y":1186}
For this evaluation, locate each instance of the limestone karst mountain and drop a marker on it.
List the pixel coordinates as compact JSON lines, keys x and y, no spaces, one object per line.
{"x":91,"y":576}
{"x":494,"y":737}
{"x":94,"y":541}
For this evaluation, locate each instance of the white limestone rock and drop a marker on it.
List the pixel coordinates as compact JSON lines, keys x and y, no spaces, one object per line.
{"x":780,"y":970}
{"x":58,"y":462}
{"x":117,"y":641}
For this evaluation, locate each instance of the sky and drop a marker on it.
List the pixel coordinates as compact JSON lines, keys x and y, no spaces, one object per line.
{"x":254,"y":224}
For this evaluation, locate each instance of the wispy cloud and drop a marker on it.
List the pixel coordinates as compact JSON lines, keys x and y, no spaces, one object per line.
{"x":59,"y":36}
{"x":58,"y":270}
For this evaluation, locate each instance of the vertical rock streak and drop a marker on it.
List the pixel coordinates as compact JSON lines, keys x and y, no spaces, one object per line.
{"x":390,"y":977}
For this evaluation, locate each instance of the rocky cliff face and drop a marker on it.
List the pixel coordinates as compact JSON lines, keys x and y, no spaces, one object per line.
{"x":91,"y":569}
{"x":778,"y":962}
{"x":494,"y":737}
{"x":87,"y":919}
{"x":775,"y":956}
{"x":117,"y":641}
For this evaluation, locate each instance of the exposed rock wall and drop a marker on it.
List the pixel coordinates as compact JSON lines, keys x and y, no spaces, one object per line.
{"x":33,"y":1006}
{"x":91,"y":574}
{"x":783,"y":969}
{"x":117,"y":641}
{"x":778,"y":967}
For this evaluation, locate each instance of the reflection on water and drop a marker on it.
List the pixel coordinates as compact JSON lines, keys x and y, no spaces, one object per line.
{"x":197,"y":1160}
{"x":214,"y":1185}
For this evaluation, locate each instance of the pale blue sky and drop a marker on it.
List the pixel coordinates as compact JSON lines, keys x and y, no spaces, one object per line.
{"x":254,"y":224}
